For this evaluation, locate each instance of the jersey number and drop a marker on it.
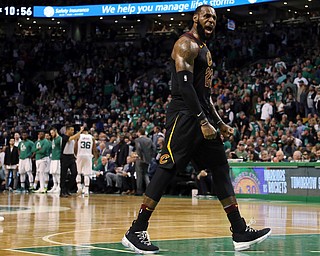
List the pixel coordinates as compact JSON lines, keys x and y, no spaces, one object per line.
{"x":85,"y":144}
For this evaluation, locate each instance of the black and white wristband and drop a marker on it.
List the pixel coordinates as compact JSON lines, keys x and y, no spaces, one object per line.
{"x":204,"y":122}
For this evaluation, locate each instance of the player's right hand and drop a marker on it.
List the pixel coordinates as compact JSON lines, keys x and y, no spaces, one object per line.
{"x":208,"y":131}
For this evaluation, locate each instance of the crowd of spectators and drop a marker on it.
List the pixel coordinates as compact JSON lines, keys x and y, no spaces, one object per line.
{"x":116,"y":88}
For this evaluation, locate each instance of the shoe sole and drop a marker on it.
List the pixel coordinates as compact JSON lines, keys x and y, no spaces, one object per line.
{"x":126,"y":243}
{"x":241,"y":246}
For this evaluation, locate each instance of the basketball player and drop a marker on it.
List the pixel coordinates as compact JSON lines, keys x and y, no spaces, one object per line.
{"x":41,"y":150}
{"x":68,"y":160}
{"x":55,"y":165}
{"x":85,"y":148}
{"x":25,"y":165}
{"x":49,"y":150}
{"x":191,"y":135}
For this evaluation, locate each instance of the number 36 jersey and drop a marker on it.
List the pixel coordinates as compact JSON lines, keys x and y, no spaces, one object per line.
{"x":85,"y":144}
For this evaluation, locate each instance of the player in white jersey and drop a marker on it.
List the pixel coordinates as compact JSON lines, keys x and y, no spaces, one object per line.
{"x":85,"y":147}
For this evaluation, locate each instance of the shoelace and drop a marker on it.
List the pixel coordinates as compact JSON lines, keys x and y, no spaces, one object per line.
{"x":250,"y":229}
{"x":144,"y":237}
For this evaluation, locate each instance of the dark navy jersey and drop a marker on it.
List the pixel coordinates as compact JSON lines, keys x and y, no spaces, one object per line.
{"x":202,"y":80}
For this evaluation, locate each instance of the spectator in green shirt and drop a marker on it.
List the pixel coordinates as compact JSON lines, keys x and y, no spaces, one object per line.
{"x":136,"y":99}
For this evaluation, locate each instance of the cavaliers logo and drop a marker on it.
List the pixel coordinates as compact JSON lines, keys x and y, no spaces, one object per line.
{"x":208,"y":77}
{"x":209,"y":59}
{"x":164,"y":159}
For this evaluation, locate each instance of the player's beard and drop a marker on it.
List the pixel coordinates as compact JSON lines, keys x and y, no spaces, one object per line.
{"x":202,"y":34}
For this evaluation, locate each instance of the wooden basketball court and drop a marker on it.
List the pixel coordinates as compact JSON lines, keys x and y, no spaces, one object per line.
{"x":40,"y":224}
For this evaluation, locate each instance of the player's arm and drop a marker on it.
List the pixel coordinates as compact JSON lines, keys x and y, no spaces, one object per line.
{"x":225,"y":129}
{"x":30,"y":154}
{"x":43,"y":147}
{"x":77,"y":135}
{"x":184,"y":53}
{"x":49,"y":147}
{"x":94,"y":149}
{"x":76,"y":147}
{"x":33,"y":150}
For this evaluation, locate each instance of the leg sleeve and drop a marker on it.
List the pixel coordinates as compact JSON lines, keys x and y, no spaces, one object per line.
{"x":159,"y":183}
{"x":222,"y":181}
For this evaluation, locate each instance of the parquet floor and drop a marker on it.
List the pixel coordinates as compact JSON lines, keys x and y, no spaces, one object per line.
{"x":40,"y":224}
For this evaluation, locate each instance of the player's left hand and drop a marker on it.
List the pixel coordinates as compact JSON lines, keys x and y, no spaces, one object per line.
{"x":208,"y":131}
{"x":226,"y":130}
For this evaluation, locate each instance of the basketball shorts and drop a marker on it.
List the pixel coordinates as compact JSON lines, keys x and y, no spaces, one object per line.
{"x":84,"y":165}
{"x":184,"y":142}
{"x":42,"y":165}
{"x":55,"y":167}
{"x":25,"y":165}
{"x":48,"y":165}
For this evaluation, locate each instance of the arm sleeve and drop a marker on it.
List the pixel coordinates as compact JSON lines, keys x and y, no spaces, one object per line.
{"x":189,"y":95}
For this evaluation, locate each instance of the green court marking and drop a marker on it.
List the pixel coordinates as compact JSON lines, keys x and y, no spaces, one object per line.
{"x":305,"y":245}
{"x":278,"y":197}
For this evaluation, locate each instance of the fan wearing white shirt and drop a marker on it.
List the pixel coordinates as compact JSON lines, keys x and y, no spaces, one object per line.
{"x":267,"y":110}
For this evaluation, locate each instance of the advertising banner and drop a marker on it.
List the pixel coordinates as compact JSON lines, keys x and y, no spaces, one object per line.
{"x":134,"y":8}
{"x":300,"y":181}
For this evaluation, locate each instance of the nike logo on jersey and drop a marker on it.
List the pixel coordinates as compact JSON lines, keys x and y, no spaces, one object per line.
{"x":199,"y":114}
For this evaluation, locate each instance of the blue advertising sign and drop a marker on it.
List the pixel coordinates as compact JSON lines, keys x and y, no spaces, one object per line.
{"x":133,"y":8}
{"x":300,"y":181}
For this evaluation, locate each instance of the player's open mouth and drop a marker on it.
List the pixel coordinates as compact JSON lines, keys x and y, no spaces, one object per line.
{"x":208,"y":29}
